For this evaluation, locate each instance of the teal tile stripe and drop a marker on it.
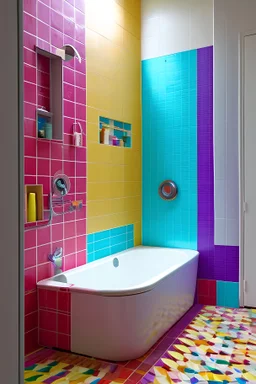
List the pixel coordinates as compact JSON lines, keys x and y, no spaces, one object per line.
{"x":169,"y":123}
{"x":227,"y":294}
{"x":106,"y":243}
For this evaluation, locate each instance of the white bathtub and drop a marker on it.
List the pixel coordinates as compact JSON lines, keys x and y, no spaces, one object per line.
{"x":119,"y":312}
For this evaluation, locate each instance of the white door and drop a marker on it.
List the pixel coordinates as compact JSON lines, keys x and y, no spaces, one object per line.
{"x":250,"y":169}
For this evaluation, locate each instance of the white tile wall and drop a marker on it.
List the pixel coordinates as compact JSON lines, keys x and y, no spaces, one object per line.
{"x":221,"y":230}
{"x":221,"y":203}
{"x":170,"y":26}
{"x":231,"y":17}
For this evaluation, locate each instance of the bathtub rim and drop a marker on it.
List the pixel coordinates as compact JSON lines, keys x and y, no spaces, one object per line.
{"x":146,"y":286}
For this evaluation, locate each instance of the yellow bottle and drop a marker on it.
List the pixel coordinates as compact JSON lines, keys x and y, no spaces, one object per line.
{"x":31,"y":207}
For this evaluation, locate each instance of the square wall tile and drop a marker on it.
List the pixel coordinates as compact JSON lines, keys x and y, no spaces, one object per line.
{"x":109,"y":242}
{"x":100,"y":235}
{"x":47,"y":299}
{"x":31,"y":302}
{"x":64,"y":302}
{"x":31,"y":341}
{"x":118,"y":231}
{"x":118,"y":248}
{"x":47,"y":338}
{"x":90,"y":257}
{"x":228,"y":294}
{"x":206,"y":292}
{"x":102,"y":253}
{"x":47,"y":25}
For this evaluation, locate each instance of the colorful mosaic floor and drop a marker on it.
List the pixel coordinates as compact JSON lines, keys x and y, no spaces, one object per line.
{"x":215,"y":345}
{"x":52,"y":367}
{"x":218,"y":346}
{"x":55,"y":367}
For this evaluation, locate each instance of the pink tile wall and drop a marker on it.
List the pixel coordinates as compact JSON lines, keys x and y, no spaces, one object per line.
{"x":54,"y":318}
{"x":49,"y":24}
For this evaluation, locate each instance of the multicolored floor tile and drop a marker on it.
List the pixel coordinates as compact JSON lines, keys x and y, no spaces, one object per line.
{"x":55,"y":367}
{"x":218,"y":346}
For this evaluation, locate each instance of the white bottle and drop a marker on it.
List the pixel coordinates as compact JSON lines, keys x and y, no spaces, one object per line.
{"x":106,"y":136}
{"x":77,"y":139}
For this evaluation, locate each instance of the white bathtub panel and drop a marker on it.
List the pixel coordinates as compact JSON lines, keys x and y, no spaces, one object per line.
{"x":125,"y":327}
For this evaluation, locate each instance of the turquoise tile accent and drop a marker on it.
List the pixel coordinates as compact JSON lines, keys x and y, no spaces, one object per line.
{"x":118,"y":239}
{"x":90,"y":238}
{"x":101,"y":244}
{"x":169,"y":151}
{"x":128,"y":142}
{"x":118,"y":134}
{"x":130,"y":243}
{"x":119,"y":248}
{"x":106,"y":243}
{"x":129,"y":236}
{"x":118,"y":231}
{"x":127,"y":126}
{"x":101,"y":235}
{"x":102,"y":253}
{"x":232,"y":294}
{"x":221,"y":293}
{"x":90,"y":257}
{"x":90,"y":247}
{"x":104,"y":120}
{"x":228,"y":294}
{"x":118,"y":124}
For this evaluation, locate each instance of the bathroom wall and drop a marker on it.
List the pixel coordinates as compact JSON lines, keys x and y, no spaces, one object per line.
{"x":230,"y":19}
{"x":169,"y":99}
{"x":177,"y":116}
{"x":49,"y":24}
{"x":113,"y":91}
{"x":171,"y":26}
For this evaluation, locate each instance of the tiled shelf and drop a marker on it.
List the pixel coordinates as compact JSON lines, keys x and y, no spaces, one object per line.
{"x":52,"y":76}
{"x":36,"y":189}
{"x":119,"y":132}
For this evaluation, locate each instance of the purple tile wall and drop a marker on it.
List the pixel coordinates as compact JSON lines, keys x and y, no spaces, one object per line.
{"x":216,"y":262}
{"x":205,"y":162}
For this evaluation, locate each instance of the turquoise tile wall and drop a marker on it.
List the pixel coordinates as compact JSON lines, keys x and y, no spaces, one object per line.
{"x":106,"y":243}
{"x":169,"y":121}
{"x":228,"y":294}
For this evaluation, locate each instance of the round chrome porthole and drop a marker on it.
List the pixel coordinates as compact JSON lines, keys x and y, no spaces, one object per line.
{"x":168,"y":190}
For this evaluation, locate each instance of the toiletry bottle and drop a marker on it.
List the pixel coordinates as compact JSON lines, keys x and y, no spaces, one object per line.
{"x":48,"y":131}
{"x":111,"y":136}
{"x":78,"y":139}
{"x":115,"y":141}
{"x":31,"y":208}
{"x":106,"y":136}
{"x":41,"y":121}
{"x":102,"y":135}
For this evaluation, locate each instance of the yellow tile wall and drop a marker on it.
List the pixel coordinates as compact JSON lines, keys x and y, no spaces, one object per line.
{"x":113,"y":60}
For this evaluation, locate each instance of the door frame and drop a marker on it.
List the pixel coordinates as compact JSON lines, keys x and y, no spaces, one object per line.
{"x":241,"y":144}
{"x":12,"y":196}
